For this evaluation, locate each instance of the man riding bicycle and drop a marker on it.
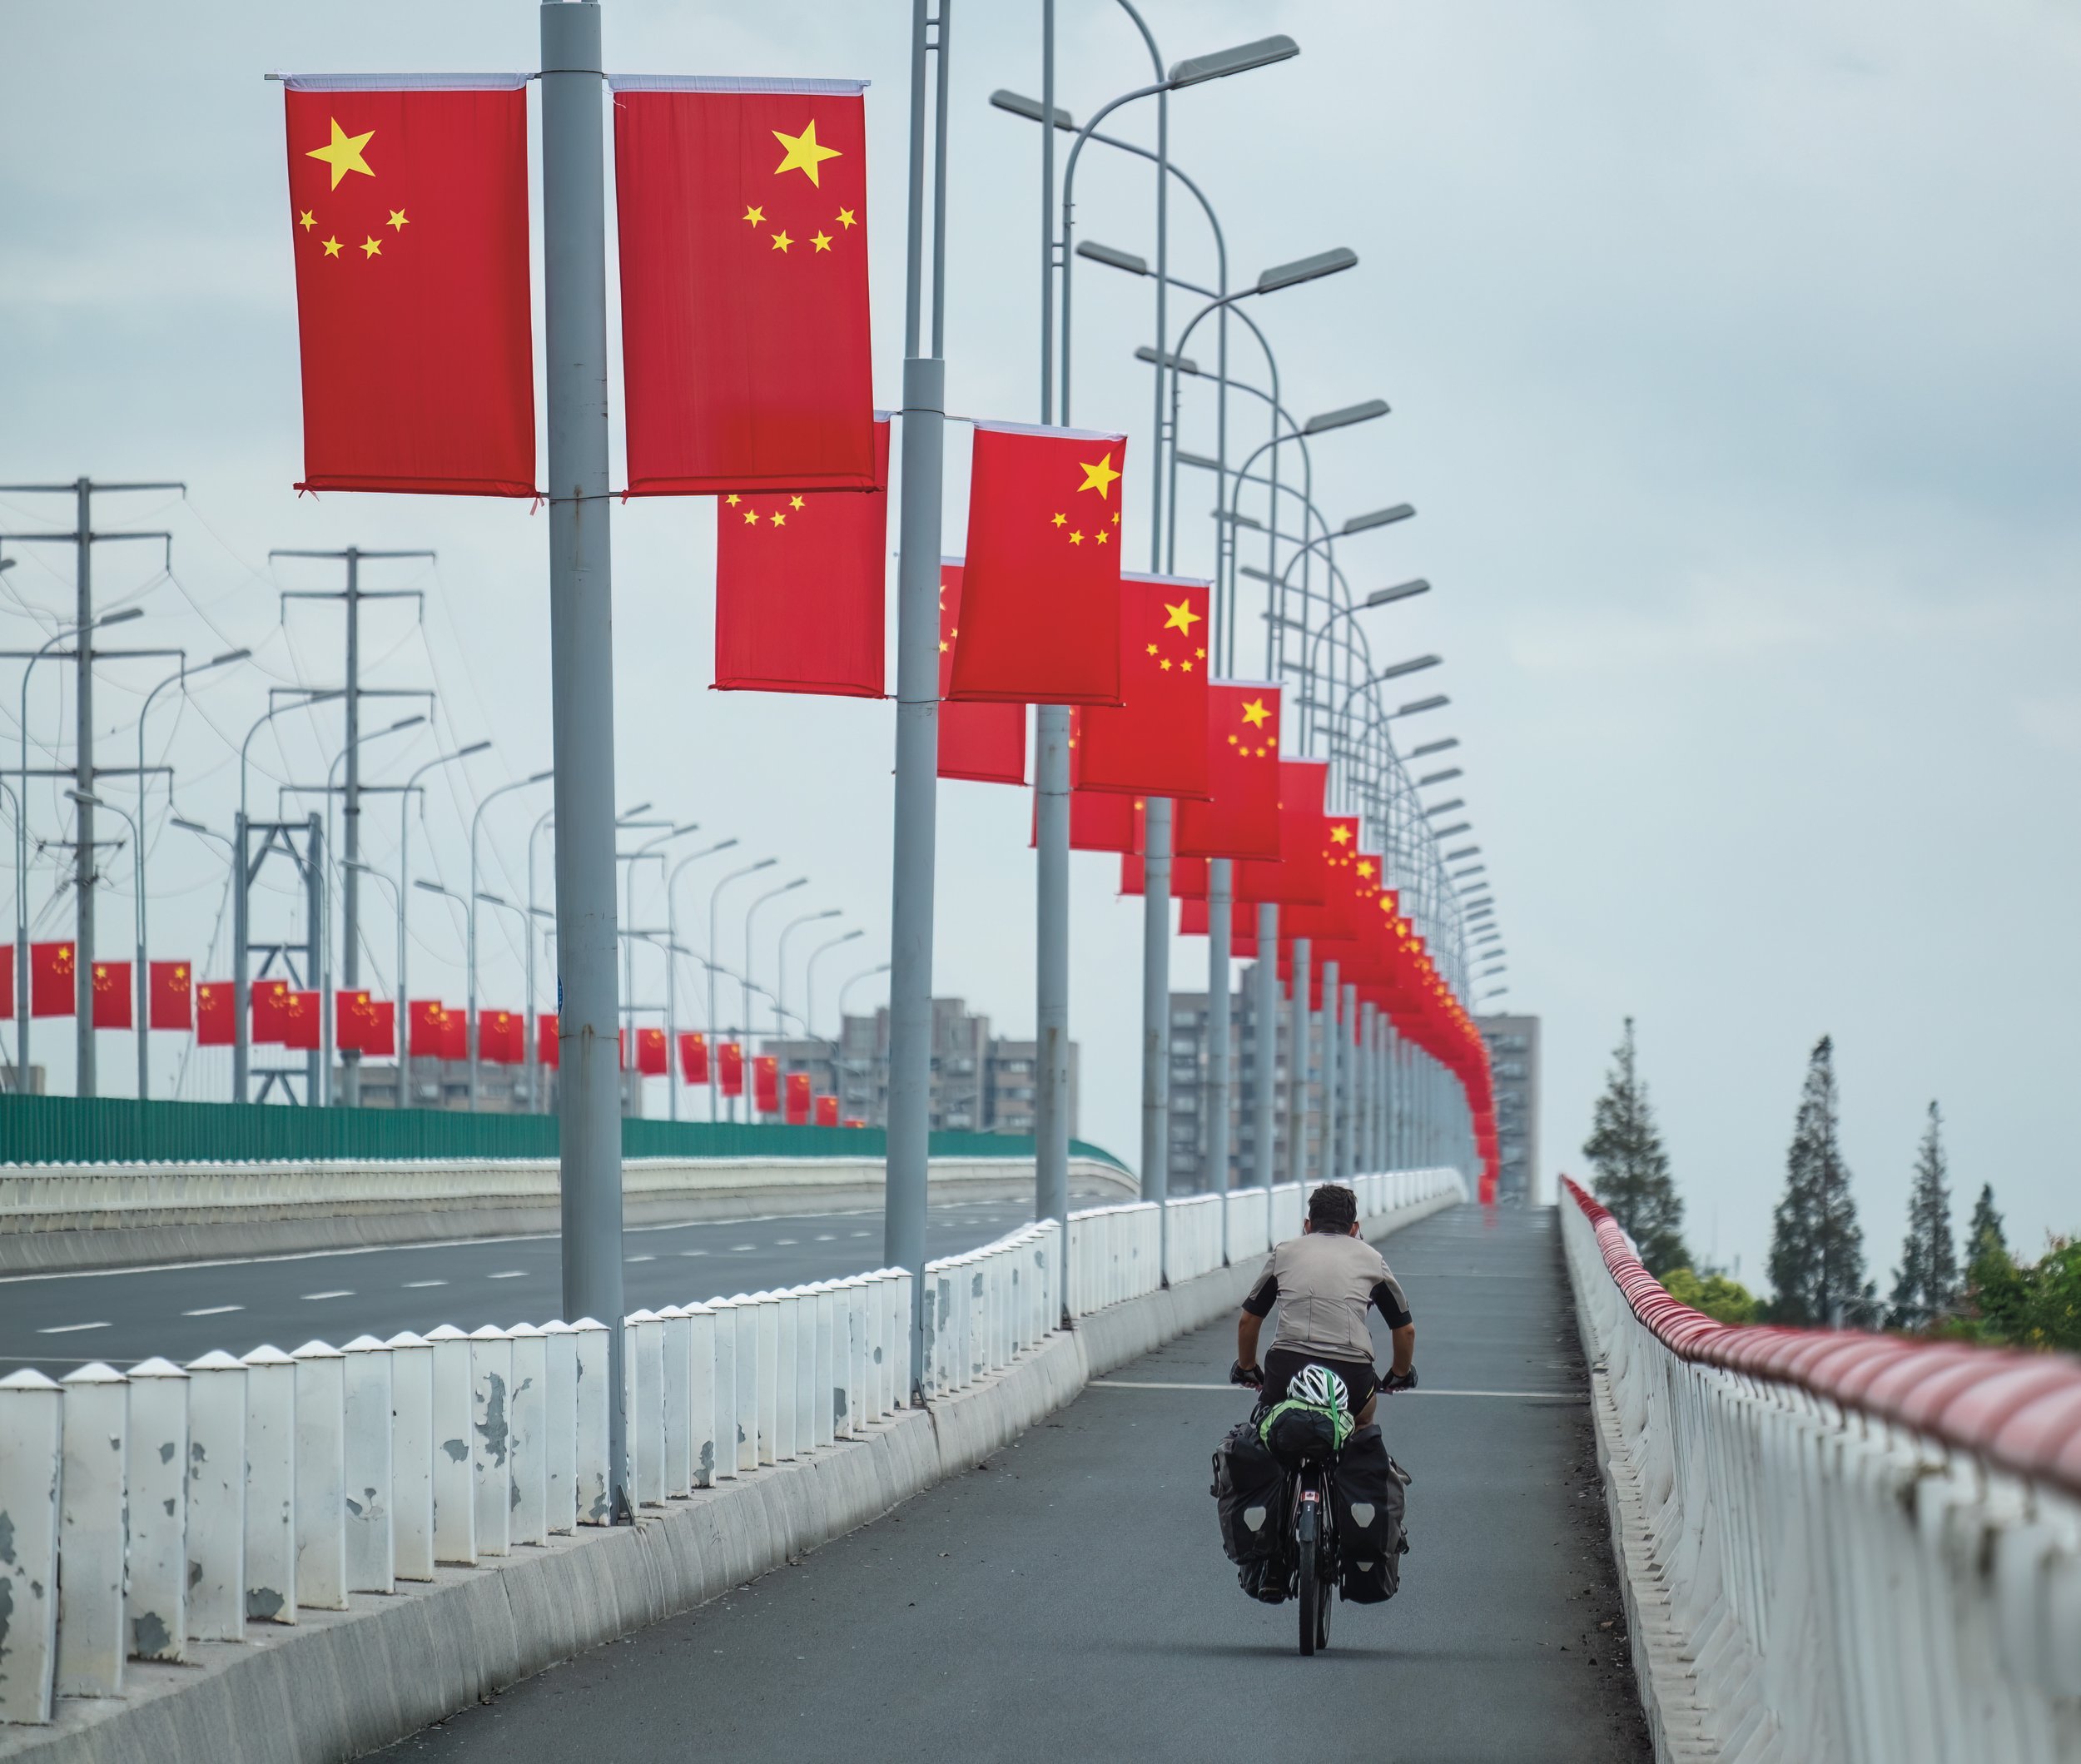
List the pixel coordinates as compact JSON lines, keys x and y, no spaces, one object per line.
{"x":1323,"y":1282}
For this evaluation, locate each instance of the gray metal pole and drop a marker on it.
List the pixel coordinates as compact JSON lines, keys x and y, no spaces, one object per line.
{"x":317,"y":1065}
{"x":350,"y":833}
{"x":83,"y":782}
{"x":916,"y":833}
{"x":1156,"y":823}
{"x":1221,"y":920}
{"x":1369,"y":1088}
{"x":1299,"y":1060}
{"x":1351,"y":1061}
{"x":582,"y":683}
{"x":1333,"y":1078}
{"x":241,"y":937}
{"x":1265,"y":1014}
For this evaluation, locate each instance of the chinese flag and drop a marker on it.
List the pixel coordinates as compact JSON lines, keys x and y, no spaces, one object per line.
{"x":352,"y":1014}
{"x":408,"y":216}
{"x":827,"y":1112}
{"x":1040,"y":586}
{"x":801,"y":581}
{"x":169,"y":995}
{"x":766,"y":1084}
{"x":693,"y":1057}
{"x":730,"y":1067}
{"x":502,"y":1037}
{"x":455,"y":1034}
{"x":651,"y":1059}
{"x":1299,"y":878}
{"x":7,"y":982}
{"x":1241,"y":819}
{"x":1194,"y":921}
{"x":215,"y":1014}
{"x":1155,"y":742}
{"x":270,"y":1011}
{"x":798,"y":1099}
{"x":50,"y":988}
{"x":378,"y":1034}
{"x":745,"y":349}
{"x":1187,"y":877}
{"x":548,"y":1049}
{"x":111,"y":994}
{"x":985,"y":743}
{"x":1103,"y":821}
{"x":425,"y":1038}
{"x":304,"y":1022}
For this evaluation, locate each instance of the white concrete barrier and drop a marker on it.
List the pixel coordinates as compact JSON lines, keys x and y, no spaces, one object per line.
{"x":92,"y":1533}
{"x":560,"y":1428}
{"x":413,"y":1446}
{"x":368,"y":1435}
{"x":454,"y":1427}
{"x":526,"y":1456}
{"x":270,"y":1486}
{"x":155,"y":1592}
{"x":31,"y":1454}
{"x":319,"y":1508}
{"x":215,"y":1543}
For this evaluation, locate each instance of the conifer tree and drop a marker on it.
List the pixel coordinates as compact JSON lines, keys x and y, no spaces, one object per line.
{"x":1630,"y":1169}
{"x":1925,"y":1286}
{"x":1984,"y":1233}
{"x":1817,"y":1252}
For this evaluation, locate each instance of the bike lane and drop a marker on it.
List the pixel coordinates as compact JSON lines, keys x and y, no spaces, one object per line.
{"x":1069,"y":1598}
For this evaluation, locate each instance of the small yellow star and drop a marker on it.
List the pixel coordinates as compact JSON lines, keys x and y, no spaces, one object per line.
{"x":781,"y":241}
{"x":820,"y":240}
{"x":1187,"y":666}
{"x":755,"y":215}
{"x":944,"y":646}
{"x":372,"y":247}
{"x":734,"y":500}
{"x":1061,"y":519}
{"x":779,"y":519}
{"x":794,"y":502}
{"x":1232,"y":741}
{"x":1165,"y":664}
{"x":332,"y":247}
{"x":845,"y":219}
{"x":751,"y":517}
{"x":1098,"y":476}
{"x":305,"y":221}
{"x":1201,"y":654}
{"x":1116,"y":520}
{"x":1076,"y":539}
{"x":803,"y":154}
{"x":1271,"y":740}
{"x":1102,"y":536}
{"x":397,"y":221}
{"x":1152,"y":648}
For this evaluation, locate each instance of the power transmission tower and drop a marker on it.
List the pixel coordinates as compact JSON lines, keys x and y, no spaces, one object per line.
{"x":350,"y":829}
{"x":83,"y":654}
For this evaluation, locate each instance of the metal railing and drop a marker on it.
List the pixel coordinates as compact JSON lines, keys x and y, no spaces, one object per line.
{"x":1842,"y":1545}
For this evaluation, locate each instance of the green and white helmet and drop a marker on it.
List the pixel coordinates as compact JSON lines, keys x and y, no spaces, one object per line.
{"x":1319,"y":1388}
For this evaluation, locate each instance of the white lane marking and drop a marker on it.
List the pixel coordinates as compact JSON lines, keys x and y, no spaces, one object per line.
{"x":1522,"y":1396}
{"x":71,"y":1329}
{"x":509,"y":1274}
{"x":786,"y":1243}
{"x":640,"y":1258}
{"x":826,"y":1237}
{"x":862,"y":1233}
{"x":412,"y":1286}
{"x":344,"y":1292}
{"x":214,"y":1310}
{"x":693,"y":1252}
{"x":740,"y":1249}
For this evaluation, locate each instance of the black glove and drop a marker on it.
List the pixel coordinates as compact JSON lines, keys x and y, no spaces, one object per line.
{"x":1251,"y":1377}
{"x":1395,"y":1381}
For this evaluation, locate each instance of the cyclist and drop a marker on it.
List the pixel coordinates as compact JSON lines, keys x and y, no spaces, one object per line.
{"x":1323,"y":1282}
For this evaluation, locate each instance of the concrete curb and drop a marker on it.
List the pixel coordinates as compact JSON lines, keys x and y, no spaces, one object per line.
{"x":339,"y":1684}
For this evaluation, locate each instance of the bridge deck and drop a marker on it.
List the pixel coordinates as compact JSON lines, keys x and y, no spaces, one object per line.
{"x":1070,"y":1599}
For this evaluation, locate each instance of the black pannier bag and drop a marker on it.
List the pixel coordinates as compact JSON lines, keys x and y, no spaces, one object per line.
{"x":1367,"y":1493}
{"x":1249,"y":1492}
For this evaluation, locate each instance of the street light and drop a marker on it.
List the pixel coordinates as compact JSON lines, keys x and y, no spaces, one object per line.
{"x":1415,"y":664}
{"x":1421,"y":705}
{"x":86,"y":799}
{"x":1445,"y":807}
{"x":1400,"y":591}
{"x":780,"y":977}
{"x":1473,"y":869}
{"x":1440,"y":777}
{"x":1465,"y":851}
{"x":1343,"y":418}
{"x":809,"y":972}
{"x":750,"y":913}
{"x":1197,"y":69}
{"x":1380,"y":517}
{"x":1430,"y":748}
{"x":672,"y":966}
{"x":1447,"y":832}
{"x":715,"y":895}
{"x":404,"y":895}
{"x":470,"y":1004}
{"x":1304,"y":269}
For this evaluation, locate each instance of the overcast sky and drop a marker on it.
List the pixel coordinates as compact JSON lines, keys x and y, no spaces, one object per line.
{"x":1736,"y":369}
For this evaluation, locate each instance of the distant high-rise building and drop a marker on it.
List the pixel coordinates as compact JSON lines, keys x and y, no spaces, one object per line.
{"x":1513,"y":1065}
{"x":1191,"y":1052}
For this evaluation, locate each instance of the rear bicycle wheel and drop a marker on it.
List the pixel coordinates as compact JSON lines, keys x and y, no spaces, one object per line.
{"x":1325,"y":1596}
{"x":1307,"y":1535}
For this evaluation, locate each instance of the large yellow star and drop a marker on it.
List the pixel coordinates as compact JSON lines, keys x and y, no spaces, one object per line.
{"x":1254,"y":713}
{"x":343,"y":153}
{"x":1099,"y":477}
{"x":1340,"y":836}
{"x":1182,"y":617}
{"x":803,"y":154}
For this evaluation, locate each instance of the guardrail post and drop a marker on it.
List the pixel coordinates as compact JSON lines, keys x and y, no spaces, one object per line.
{"x":745,"y":1309}
{"x":703,"y":1462}
{"x":270,"y":1486}
{"x":849,"y":1345}
{"x":93,"y":1524}
{"x":805,"y":1303}
{"x":527,"y":1405}
{"x":826,"y":1387}
{"x":490,"y":1456}
{"x":413,"y":1447}
{"x":644,"y":1361}
{"x":31,"y":1451}
{"x":594,"y":1506}
{"x":215,"y":1570}
{"x":322,"y":1494}
{"x":155,"y":1600}
{"x":787,"y":1387}
{"x":765,"y":1314}
{"x":675,"y":1343}
{"x":559,"y":1427}
{"x":368,"y":1433}
{"x":726,"y":1431}
{"x":455,"y":1488}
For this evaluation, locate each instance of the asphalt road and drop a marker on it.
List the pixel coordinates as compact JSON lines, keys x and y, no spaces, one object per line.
{"x":58,"y":1322}
{"x":1069,"y":1599}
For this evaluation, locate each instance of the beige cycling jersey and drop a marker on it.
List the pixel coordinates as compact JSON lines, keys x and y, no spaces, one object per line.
{"x":1323,"y":1282}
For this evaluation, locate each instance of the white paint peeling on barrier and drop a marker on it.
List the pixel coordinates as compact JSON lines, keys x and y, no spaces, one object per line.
{"x":527,"y":1431}
{"x":454,"y":1486}
{"x":215,"y":1531}
{"x":320,"y":1504}
{"x":368,"y":1472}
{"x":155,"y":1594}
{"x":270,"y":1487}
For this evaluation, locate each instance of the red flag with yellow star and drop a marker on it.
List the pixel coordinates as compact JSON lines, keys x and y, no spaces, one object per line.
{"x":798,"y":1099}
{"x":1240,"y":819}
{"x":215,"y":1014}
{"x":111,"y":994}
{"x":985,"y":743}
{"x":1041,"y":591}
{"x":1299,"y":878}
{"x":408,"y":204}
{"x":51,"y":990}
{"x":170,"y":996}
{"x":800,"y":580}
{"x":743,"y":224}
{"x":1155,"y":742}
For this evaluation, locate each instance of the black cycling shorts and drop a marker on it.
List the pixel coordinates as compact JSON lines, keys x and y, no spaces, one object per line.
{"x":1282,"y":1364}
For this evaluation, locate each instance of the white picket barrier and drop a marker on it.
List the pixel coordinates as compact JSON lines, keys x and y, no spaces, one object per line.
{"x":262,"y":1486}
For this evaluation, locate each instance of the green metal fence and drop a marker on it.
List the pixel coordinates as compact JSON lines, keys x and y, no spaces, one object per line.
{"x":93,"y":1130}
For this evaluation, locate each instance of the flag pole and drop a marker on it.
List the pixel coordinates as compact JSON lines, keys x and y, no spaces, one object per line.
{"x":582,"y":688}
{"x":918,"y":701}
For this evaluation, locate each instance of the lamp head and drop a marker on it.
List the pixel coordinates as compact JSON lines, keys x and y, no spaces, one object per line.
{"x":1197,"y":69}
{"x":1307,"y":268}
